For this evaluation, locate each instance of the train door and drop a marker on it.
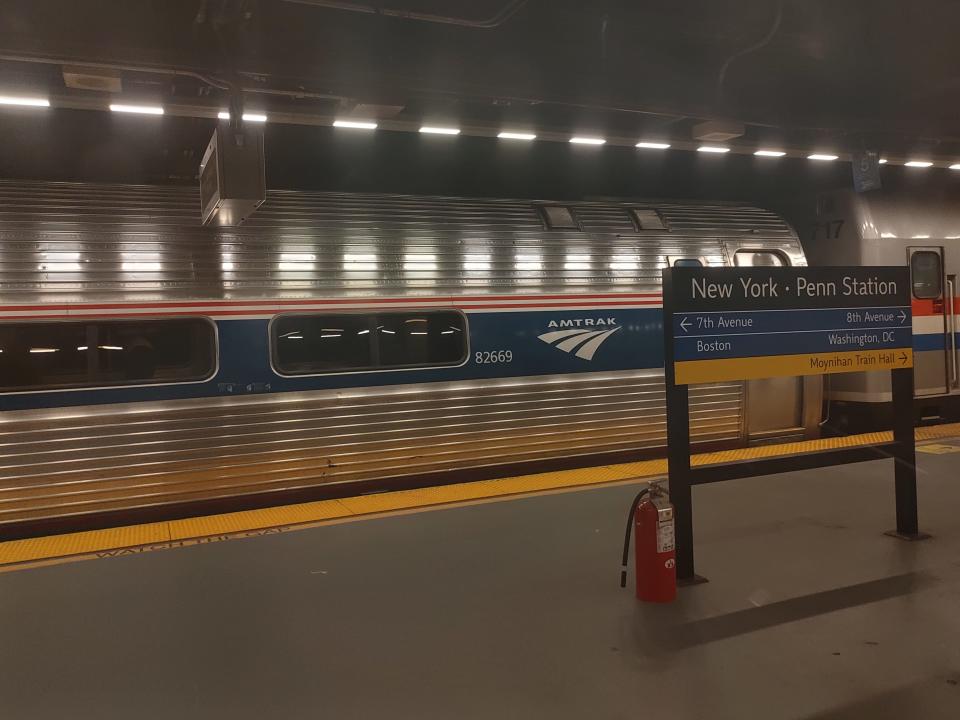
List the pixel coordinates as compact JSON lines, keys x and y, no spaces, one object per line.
{"x":774,"y":407}
{"x":931,"y":345}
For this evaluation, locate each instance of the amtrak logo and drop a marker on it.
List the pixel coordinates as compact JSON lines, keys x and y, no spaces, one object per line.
{"x":579,"y":336}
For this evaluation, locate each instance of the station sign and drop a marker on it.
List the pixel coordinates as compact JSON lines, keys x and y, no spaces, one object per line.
{"x":745,"y":323}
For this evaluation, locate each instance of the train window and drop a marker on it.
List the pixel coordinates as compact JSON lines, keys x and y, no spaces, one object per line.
{"x":687,"y":262}
{"x":927,"y":274}
{"x":101,"y":353}
{"x":758,"y":258}
{"x":316,"y":344}
{"x":559,"y":217}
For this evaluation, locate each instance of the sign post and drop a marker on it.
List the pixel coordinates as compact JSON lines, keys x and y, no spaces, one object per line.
{"x":725,"y":324}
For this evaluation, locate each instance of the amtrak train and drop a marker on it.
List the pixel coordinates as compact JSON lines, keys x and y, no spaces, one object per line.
{"x":880,"y":228}
{"x":338,"y":343}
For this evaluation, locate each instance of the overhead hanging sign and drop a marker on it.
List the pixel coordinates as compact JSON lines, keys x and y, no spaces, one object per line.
{"x":744,"y":323}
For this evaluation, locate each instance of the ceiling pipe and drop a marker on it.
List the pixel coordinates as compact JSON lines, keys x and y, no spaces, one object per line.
{"x":221,"y":84}
{"x":505,"y":13}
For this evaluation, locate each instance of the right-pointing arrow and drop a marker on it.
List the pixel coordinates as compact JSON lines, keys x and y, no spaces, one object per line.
{"x":903,"y":317}
{"x":903,"y":357}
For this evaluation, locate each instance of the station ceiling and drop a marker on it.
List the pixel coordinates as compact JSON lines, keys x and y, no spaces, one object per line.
{"x":806,"y":74}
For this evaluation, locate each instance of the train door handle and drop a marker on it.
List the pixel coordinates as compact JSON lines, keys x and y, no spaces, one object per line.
{"x":952,"y":326}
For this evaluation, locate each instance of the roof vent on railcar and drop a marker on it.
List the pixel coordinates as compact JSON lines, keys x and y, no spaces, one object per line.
{"x":559,"y":217}
{"x":647,"y":219}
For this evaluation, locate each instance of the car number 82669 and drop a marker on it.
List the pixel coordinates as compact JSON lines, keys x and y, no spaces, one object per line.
{"x":493,"y":356}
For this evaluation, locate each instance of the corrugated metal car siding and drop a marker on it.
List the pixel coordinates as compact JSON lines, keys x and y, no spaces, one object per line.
{"x":85,"y":243}
{"x":78,"y":243}
{"x":108,"y":457}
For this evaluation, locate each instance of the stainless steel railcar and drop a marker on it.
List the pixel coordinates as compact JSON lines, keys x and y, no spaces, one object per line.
{"x":338,"y":341}
{"x":923,"y":232}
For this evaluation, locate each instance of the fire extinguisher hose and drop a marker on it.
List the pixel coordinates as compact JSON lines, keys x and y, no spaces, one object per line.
{"x":626,"y":535}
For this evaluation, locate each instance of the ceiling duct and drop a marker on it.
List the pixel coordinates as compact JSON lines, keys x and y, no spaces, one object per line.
{"x":232,"y":179}
{"x":718,"y":130}
{"x":79,"y":77}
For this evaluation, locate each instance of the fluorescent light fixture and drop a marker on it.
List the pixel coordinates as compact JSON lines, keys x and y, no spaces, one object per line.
{"x":770,"y":153}
{"x":138,"y":109}
{"x":713,"y":149}
{"x":34,"y":351}
{"x":247,"y":117}
{"x":355,"y":124}
{"x":419,"y":262}
{"x":918,"y":163}
{"x":883,"y":161}
{"x":432,"y":130}
{"x":109,"y":347}
{"x":578,"y":140}
{"x":653,"y":145}
{"x":824,"y":158}
{"x":516,"y":136}
{"x":81,"y":348}
{"x":24,"y":101}
{"x":955,"y":166}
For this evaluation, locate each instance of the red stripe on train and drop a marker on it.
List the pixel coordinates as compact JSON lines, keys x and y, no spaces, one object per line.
{"x":234,"y":313}
{"x":333,"y":301}
{"x":926,"y":308}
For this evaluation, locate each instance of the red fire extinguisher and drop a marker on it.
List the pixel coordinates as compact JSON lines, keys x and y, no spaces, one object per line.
{"x":651,"y":518}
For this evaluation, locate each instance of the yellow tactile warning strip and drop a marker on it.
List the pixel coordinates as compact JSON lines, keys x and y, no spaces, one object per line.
{"x":136,"y":539}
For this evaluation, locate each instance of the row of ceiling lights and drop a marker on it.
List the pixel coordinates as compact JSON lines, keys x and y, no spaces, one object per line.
{"x":440,"y":130}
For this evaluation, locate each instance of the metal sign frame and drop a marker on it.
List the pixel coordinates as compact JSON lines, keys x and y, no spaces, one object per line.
{"x":682,"y":477}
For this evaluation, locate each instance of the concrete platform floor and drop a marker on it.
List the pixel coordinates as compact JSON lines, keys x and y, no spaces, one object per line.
{"x":512,"y":610}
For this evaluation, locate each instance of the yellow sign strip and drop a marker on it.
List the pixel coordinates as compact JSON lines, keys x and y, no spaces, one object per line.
{"x":690,"y":372}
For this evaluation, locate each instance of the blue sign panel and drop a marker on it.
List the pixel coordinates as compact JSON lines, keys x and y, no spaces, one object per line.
{"x":741,"y":323}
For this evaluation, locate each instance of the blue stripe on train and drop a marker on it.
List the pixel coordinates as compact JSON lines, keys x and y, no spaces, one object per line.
{"x":635,"y":343}
{"x":929,"y":341}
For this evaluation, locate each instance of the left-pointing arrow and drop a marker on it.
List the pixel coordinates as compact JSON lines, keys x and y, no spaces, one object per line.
{"x":685,"y":323}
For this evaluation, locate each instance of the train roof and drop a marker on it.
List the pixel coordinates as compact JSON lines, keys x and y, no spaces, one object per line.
{"x":68,"y":241}
{"x":901,"y":215}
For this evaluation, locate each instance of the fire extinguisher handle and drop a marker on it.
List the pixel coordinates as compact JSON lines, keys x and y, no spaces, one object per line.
{"x":626,"y":535}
